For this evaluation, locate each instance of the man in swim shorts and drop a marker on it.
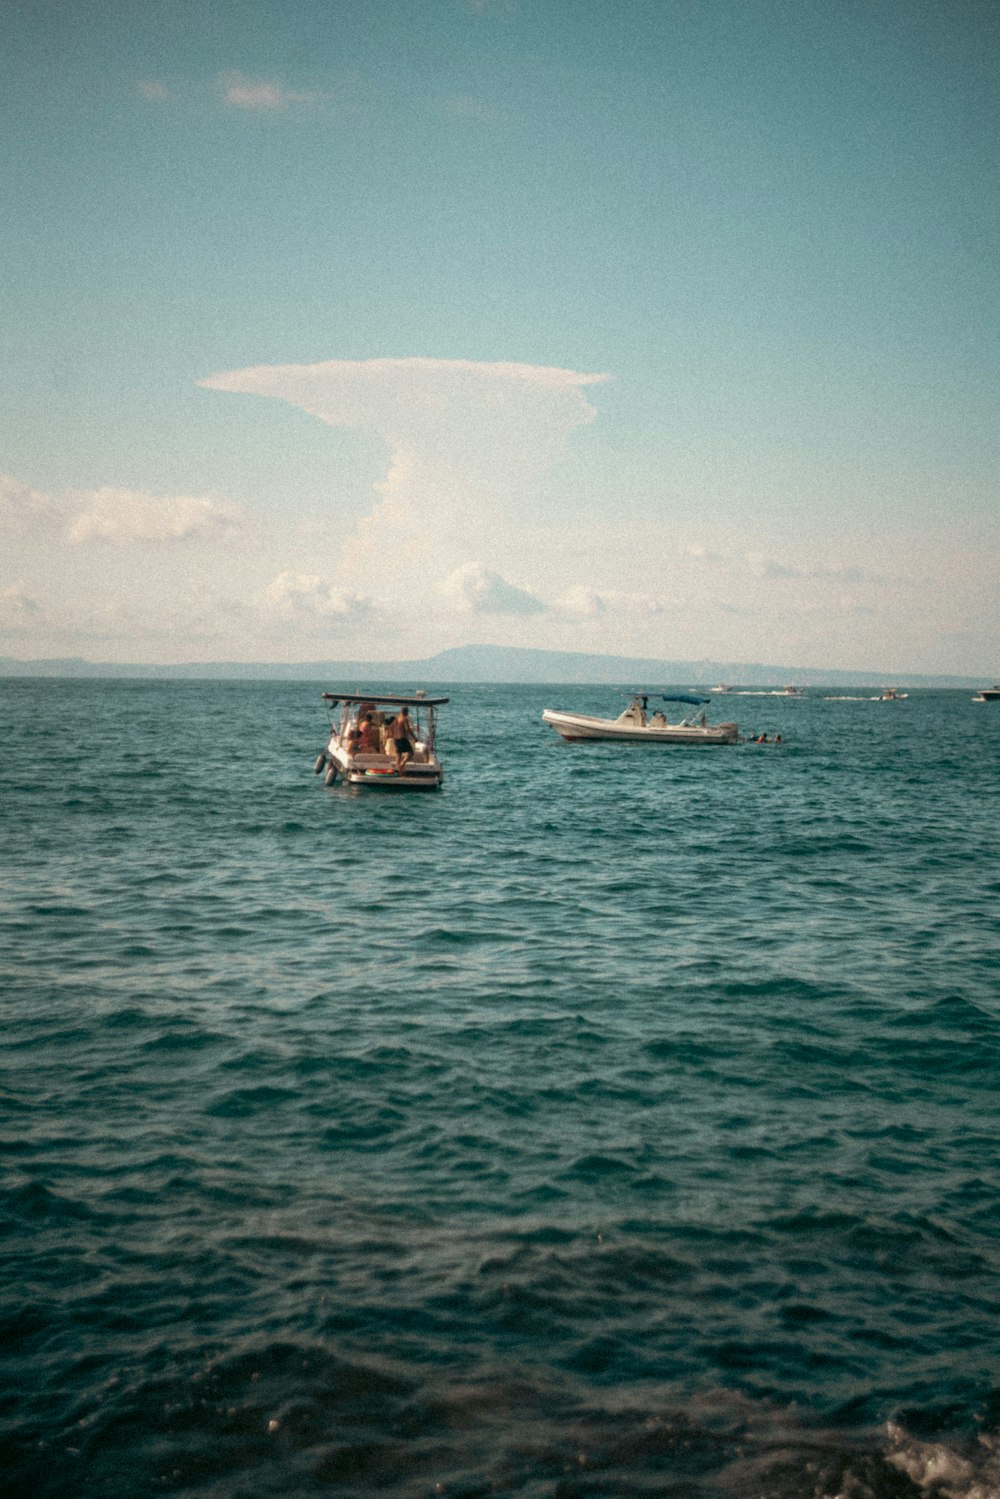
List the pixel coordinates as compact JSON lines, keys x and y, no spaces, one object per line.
{"x":403,"y":735}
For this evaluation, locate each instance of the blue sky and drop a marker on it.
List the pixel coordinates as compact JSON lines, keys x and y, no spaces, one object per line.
{"x":368,"y":328}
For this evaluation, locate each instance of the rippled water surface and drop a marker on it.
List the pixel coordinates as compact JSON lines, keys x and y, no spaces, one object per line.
{"x":618,"y":1121}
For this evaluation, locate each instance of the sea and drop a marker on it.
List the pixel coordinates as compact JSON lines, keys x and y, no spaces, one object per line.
{"x":620,"y":1120}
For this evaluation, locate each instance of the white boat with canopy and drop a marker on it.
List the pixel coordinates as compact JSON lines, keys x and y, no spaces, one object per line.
{"x":639,"y":725}
{"x":381,"y":742}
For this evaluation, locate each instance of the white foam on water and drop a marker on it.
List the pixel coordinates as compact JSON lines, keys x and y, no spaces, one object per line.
{"x":939,"y":1470}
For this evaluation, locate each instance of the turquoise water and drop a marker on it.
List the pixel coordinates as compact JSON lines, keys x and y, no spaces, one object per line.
{"x":618,"y":1121}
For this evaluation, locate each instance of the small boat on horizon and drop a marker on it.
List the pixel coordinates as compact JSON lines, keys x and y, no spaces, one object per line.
{"x":758,"y":691}
{"x":362,"y":750}
{"x":891,"y":695}
{"x":637,"y":725}
{"x":987,"y":695}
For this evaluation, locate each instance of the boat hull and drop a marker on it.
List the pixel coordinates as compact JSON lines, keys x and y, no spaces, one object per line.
{"x":391,"y":781}
{"x":378,"y":773}
{"x":577,"y":726}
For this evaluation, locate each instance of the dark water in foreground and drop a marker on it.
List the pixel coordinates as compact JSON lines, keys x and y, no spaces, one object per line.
{"x":616,"y":1122}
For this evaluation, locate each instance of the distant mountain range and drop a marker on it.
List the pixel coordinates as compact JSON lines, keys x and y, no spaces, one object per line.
{"x":490,"y":663}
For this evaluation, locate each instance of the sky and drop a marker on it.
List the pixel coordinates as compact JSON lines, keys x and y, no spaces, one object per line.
{"x":359,"y":329}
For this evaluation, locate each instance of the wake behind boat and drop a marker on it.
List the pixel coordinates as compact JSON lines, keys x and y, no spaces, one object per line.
{"x":384,"y":751}
{"x":639,"y":725}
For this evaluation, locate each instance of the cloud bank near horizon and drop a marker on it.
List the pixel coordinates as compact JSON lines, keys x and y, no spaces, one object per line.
{"x":478,"y":590}
{"x":116,"y":515}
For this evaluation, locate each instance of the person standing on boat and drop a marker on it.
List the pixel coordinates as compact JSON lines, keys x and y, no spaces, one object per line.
{"x":403,"y":735}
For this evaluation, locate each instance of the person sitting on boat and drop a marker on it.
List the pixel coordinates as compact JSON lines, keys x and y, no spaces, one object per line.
{"x":353,"y":739}
{"x":374,"y":713}
{"x":403,"y":736}
{"x":369,"y":739}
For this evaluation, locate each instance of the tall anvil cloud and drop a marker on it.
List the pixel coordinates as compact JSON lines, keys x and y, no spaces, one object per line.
{"x":468,"y":442}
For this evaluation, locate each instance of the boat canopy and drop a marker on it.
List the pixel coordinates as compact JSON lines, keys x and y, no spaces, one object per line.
{"x":411,"y":700}
{"x":681,"y":698}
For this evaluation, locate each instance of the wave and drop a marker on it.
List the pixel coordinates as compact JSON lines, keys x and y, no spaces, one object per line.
{"x":293,"y":1418}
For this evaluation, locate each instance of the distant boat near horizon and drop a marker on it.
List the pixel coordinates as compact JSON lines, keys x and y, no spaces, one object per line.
{"x":887,"y":695}
{"x":759,"y":691}
{"x":988,"y":694}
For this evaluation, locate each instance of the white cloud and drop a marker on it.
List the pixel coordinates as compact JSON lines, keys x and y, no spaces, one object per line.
{"x":260,"y":94}
{"x":307,"y":596}
{"x":17,"y":608}
{"x":588,"y":603}
{"x":476,"y":589}
{"x":583,"y":602}
{"x":115,"y":515}
{"x":769,"y":567}
{"x":124,"y":515}
{"x":24,"y":510}
{"x":428,"y":399}
{"x":468,"y":443}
